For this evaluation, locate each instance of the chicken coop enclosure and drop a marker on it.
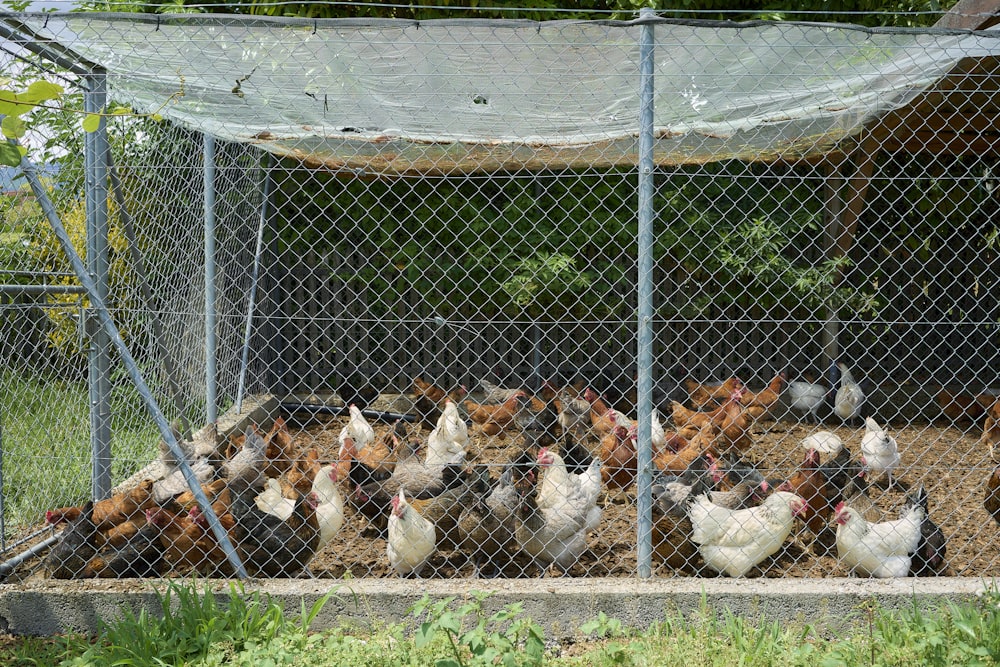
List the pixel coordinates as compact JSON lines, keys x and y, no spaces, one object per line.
{"x":753,"y":260}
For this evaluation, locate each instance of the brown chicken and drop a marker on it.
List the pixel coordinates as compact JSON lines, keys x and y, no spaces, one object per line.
{"x":758,"y":404}
{"x":617,"y":451}
{"x":603,"y":419}
{"x":811,"y":484}
{"x":962,"y":406}
{"x":498,"y":418}
{"x":188,"y":544}
{"x":991,"y":436}
{"x":280,"y":452}
{"x":111,"y":511}
{"x":701,"y":443}
{"x":375,"y":461}
{"x":992,"y":500}
{"x":429,"y":399}
{"x":186,"y":500}
{"x":711,"y":395}
{"x":731,"y":420}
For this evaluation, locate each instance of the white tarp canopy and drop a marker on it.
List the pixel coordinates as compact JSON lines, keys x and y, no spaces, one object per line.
{"x":467,"y":95}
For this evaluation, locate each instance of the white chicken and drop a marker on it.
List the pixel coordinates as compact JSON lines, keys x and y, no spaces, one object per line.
{"x":806,"y":398}
{"x":659,"y":435}
{"x":877,"y":549}
{"x":879,"y":451}
{"x":411,"y":540}
{"x":562,"y":490}
{"x":850,"y":397}
{"x":824,"y":442}
{"x":734,"y":541}
{"x":357,"y":429}
{"x":553,"y":535}
{"x":329,"y":508}
{"x":448,"y":441}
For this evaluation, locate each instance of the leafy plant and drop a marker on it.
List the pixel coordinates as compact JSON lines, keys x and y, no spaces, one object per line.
{"x":502,"y":638}
{"x":608,"y":628}
{"x":192,"y":628}
{"x":547,"y":282}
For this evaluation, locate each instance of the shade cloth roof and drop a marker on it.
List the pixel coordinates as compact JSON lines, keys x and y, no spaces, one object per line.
{"x":474,"y":95}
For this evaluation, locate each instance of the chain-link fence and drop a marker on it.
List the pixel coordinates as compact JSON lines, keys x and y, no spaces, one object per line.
{"x":720,"y":335}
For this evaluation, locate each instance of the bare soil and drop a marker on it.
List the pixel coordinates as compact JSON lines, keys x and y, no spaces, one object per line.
{"x":950,"y":463}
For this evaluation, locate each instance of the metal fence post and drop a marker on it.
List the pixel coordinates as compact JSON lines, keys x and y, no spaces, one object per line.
{"x":644,"y":389}
{"x":211,"y":344}
{"x":98,"y":355}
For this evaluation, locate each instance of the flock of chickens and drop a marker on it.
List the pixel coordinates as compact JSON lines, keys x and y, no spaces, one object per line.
{"x":713,"y":512}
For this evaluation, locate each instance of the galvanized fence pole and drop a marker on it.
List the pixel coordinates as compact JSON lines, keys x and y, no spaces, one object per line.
{"x":644,"y":388}
{"x":211,"y":344}
{"x":96,"y":150}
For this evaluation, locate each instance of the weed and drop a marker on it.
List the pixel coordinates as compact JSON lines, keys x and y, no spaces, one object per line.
{"x":503,"y":638}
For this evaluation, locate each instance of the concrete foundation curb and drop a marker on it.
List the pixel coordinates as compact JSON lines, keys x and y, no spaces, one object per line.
{"x":560,"y":605}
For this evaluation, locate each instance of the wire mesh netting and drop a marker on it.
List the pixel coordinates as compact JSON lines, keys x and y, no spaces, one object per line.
{"x":416,"y":289}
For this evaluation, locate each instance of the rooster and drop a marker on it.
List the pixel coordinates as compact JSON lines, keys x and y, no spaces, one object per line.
{"x":882,"y":549}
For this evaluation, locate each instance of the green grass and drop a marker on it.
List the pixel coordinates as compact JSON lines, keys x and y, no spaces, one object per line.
{"x":46,"y":443}
{"x":193,"y":628}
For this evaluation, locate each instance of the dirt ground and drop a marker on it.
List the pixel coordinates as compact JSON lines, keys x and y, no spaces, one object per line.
{"x":948,"y":461}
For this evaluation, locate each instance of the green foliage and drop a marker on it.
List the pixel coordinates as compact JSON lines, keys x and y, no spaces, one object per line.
{"x":193,"y":625}
{"x":64,"y":334}
{"x":547,"y":282}
{"x":475,"y":639}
